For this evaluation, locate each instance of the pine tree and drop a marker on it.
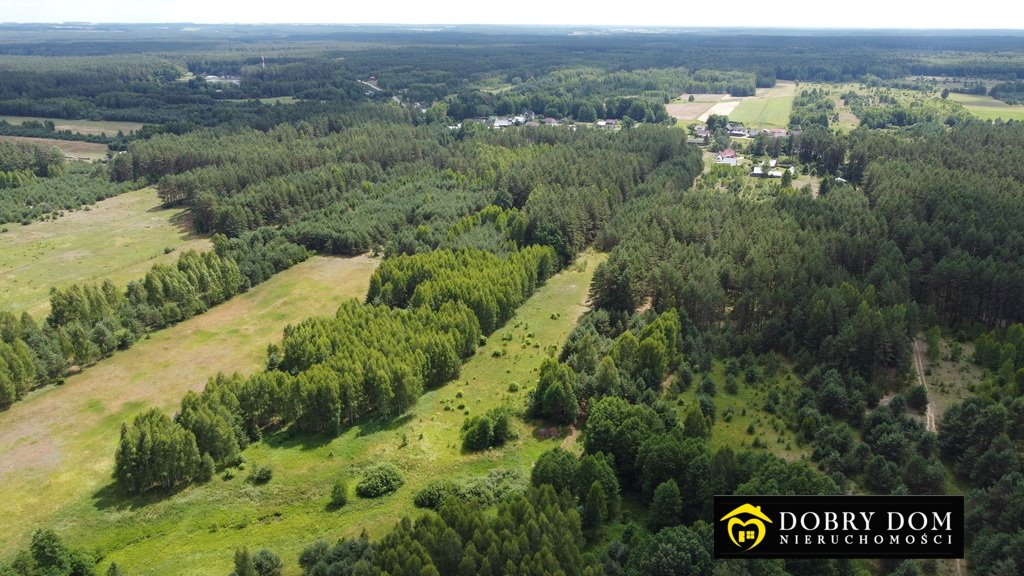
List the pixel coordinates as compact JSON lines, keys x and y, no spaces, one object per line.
{"x":594,"y":510}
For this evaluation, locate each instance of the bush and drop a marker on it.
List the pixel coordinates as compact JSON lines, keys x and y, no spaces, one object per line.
{"x":267,"y":563}
{"x":435,"y":493}
{"x":380,"y":480}
{"x":483,"y":490}
{"x":491,"y":430}
{"x":339,"y":494}
{"x":261,"y":474}
{"x":206,"y":468}
{"x":478,"y":432}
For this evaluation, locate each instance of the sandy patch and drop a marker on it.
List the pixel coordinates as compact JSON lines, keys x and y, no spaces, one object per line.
{"x":722,"y":109}
{"x":688,"y":110}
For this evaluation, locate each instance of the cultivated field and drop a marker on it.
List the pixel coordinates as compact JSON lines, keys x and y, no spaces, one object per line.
{"x":57,"y":446}
{"x":73,"y":150}
{"x":770,"y":108}
{"x":197,"y":529}
{"x":97,"y":127}
{"x":723,"y":108}
{"x":119,"y":238}
{"x":988,"y":108}
{"x":682,"y":109}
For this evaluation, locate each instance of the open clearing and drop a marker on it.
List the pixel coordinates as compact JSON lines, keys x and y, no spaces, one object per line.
{"x":273,"y":100}
{"x":200,"y":527}
{"x":119,"y":238}
{"x":987,"y":107}
{"x":96,"y":127}
{"x":770,"y":108}
{"x":723,"y":108}
{"x":685,"y":110}
{"x":74,"y":150}
{"x":950,"y":382}
{"x":735,"y":413}
{"x":57,"y":445}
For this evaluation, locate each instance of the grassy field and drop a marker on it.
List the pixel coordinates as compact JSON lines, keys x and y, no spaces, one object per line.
{"x":685,"y":110}
{"x":56,"y":447}
{"x":96,"y":127}
{"x":948,"y":380}
{"x":988,"y":108}
{"x":200,"y":526}
{"x":770,"y":108}
{"x":119,"y":238}
{"x":74,"y":150}
{"x":747,"y":409}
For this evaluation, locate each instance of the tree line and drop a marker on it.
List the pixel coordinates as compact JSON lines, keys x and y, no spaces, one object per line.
{"x":28,"y":198}
{"x":88,"y":322}
{"x":39,"y":160}
{"x":378,"y":182}
{"x":329,"y":371}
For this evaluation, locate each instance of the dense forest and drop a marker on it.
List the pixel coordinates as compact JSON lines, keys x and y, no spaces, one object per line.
{"x":430,"y":303}
{"x":803,"y":301}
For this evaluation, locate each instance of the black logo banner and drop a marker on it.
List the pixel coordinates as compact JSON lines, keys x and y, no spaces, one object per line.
{"x":839,"y":526}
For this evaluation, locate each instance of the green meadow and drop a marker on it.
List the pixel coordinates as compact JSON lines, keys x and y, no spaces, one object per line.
{"x":988,"y":108}
{"x":119,"y":239}
{"x":197,"y":529}
{"x":57,"y":445}
{"x":742,"y":418}
{"x":770,"y":108}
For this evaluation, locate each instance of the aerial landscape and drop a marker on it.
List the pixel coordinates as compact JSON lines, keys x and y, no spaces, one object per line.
{"x":340,"y":298}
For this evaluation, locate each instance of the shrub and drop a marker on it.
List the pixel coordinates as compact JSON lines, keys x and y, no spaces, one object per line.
{"x":490,"y":430}
{"x":478,"y":432}
{"x":267,"y":563}
{"x":339,"y":494}
{"x":206,"y":468}
{"x":483,"y":490}
{"x":435,"y":493}
{"x":379,"y":480}
{"x":261,"y":474}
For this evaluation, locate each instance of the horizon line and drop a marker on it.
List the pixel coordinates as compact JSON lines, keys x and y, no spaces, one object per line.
{"x":512,"y":25}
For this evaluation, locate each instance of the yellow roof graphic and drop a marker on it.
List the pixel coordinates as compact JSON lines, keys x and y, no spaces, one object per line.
{"x":747,"y":509}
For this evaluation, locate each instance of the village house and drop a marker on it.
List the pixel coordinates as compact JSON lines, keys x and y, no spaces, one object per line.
{"x":727,"y":156}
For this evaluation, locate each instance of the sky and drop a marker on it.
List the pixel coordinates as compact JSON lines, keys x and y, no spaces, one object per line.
{"x":747,"y":13}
